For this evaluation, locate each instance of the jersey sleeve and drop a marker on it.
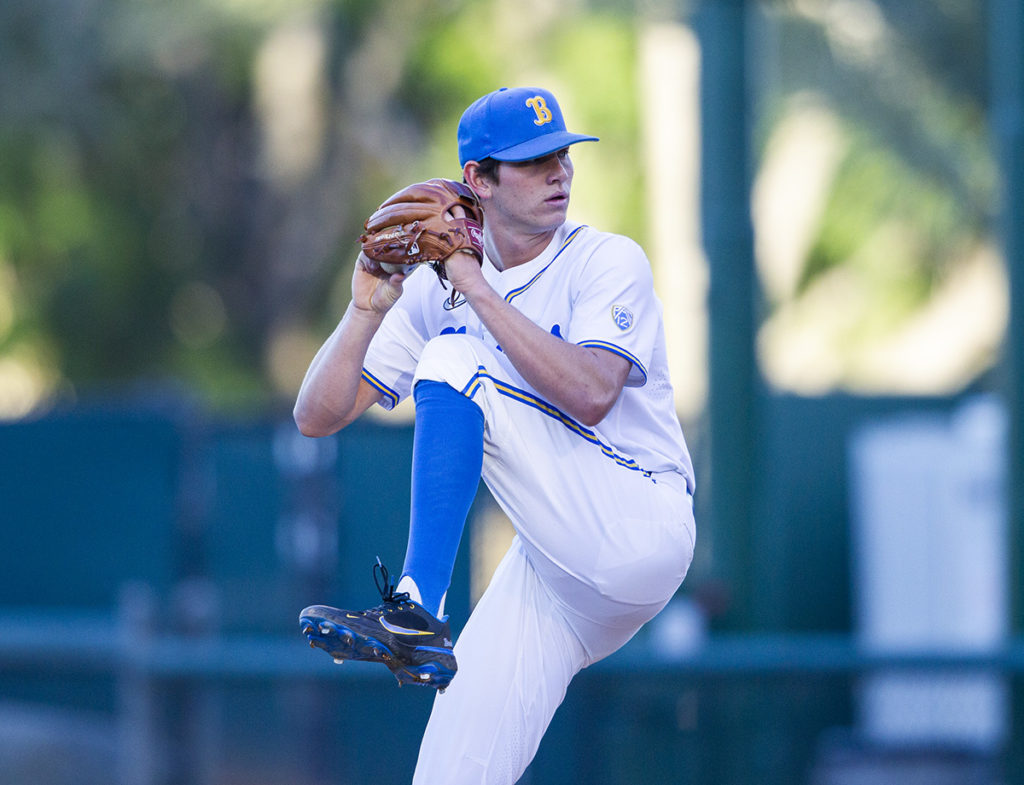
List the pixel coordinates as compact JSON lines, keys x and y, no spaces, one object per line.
{"x":615,"y":307}
{"x":395,"y":349}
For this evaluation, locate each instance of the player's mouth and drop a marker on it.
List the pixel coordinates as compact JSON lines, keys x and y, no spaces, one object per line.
{"x":558,"y":199}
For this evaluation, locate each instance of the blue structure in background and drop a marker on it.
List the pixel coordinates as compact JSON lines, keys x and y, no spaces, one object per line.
{"x":152,"y":568}
{"x":153,"y":563}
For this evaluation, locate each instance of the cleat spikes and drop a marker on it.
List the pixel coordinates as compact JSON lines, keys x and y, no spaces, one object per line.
{"x":339,"y":660}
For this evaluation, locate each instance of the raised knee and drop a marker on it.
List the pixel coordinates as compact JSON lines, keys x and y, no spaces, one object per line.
{"x":453,"y":358}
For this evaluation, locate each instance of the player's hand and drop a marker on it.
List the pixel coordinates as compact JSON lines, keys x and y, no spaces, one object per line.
{"x":462,"y":267}
{"x":464,"y":273}
{"x":372,"y":289}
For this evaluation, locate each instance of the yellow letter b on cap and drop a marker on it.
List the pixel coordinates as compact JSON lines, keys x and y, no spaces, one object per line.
{"x":540,"y":107}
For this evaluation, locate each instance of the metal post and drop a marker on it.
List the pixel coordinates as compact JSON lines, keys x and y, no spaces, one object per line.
{"x":1006,"y":42}
{"x":729,"y":244}
{"x":196,"y":724}
{"x":1006,"y":47}
{"x":141,"y":751}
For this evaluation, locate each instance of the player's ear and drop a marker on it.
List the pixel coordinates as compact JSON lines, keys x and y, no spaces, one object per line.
{"x":480,"y":184}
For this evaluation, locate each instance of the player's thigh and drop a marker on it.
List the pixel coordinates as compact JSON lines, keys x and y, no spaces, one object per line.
{"x":610,"y":544}
{"x":516,"y":658}
{"x":587,"y":513}
{"x":597,"y":518}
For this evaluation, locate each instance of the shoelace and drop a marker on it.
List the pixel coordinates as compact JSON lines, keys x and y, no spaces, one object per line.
{"x":382,"y":578}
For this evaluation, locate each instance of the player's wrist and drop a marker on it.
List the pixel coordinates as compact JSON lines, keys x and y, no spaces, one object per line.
{"x":468,"y":278}
{"x":481,"y":295}
{"x":364,"y":313}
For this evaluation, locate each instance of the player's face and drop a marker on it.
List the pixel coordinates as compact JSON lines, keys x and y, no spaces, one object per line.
{"x":533,"y":196}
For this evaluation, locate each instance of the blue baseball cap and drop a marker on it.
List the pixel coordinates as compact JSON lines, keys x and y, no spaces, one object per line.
{"x":514,"y":124}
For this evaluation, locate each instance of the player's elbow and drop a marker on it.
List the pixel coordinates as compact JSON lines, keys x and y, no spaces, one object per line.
{"x":309,"y":424}
{"x":593,"y":411}
{"x":598,"y":392}
{"x":306,"y":427}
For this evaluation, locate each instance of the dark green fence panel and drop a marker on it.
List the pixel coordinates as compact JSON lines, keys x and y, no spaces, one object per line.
{"x":87,"y":500}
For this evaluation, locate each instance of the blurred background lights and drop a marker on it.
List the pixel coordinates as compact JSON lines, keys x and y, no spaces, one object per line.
{"x":197,"y":314}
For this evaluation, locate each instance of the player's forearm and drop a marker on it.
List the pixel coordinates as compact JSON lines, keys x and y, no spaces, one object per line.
{"x":584,"y":383}
{"x":329,"y":399}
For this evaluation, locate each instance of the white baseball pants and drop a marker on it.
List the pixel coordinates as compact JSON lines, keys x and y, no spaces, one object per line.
{"x":600,"y":549}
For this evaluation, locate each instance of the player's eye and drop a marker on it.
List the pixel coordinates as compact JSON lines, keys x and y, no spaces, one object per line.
{"x":562,"y":156}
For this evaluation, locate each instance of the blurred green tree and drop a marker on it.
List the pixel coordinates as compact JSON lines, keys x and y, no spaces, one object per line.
{"x":181,"y":184}
{"x":907,"y":215}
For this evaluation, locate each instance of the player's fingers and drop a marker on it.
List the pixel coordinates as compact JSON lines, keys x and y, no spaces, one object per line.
{"x":364,"y":262}
{"x":371,"y":266}
{"x":455,"y":212}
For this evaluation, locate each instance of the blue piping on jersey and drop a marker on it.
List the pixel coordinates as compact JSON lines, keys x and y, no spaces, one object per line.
{"x":380,"y":387}
{"x":541,"y":405}
{"x":619,"y":351}
{"x":519,"y":290}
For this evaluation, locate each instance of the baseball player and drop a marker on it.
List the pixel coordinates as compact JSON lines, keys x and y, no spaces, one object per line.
{"x":539,"y":364}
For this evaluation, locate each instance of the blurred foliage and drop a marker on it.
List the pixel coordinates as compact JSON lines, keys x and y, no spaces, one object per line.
{"x":874,"y":189}
{"x":181,"y":183}
{"x":145,"y":228}
{"x":914,"y":194}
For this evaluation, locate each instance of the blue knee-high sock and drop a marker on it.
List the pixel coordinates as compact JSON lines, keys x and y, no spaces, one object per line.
{"x":447,"y":455}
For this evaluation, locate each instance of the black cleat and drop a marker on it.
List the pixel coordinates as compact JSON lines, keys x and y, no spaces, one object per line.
{"x":402,"y":634}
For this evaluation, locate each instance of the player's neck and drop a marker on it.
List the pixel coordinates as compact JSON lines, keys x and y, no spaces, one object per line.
{"x":510,"y":249}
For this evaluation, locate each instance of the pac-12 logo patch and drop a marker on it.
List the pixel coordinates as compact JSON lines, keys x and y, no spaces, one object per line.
{"x":622,"y":316}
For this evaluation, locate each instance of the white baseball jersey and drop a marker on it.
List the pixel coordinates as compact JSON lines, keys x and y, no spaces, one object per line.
{"x":603,"y":516}
{"x":589,"y":287}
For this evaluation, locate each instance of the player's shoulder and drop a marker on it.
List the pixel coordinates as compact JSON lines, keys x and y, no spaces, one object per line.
{"x":598,"y":240}
{"x":601,"y":248}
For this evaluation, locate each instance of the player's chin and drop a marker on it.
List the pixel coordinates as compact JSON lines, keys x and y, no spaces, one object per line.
{"x":554,"y":212}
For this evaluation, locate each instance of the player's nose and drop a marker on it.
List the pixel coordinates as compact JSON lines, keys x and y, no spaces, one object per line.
{"x":559,"y":169}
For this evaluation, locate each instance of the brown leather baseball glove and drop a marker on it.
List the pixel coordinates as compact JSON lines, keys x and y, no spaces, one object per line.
{"x":415,"y":226}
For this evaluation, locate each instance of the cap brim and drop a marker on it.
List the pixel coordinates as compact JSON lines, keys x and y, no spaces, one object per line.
{"x":539,"y":147}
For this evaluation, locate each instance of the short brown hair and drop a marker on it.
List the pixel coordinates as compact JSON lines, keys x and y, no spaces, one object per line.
{"x":488,"y":168}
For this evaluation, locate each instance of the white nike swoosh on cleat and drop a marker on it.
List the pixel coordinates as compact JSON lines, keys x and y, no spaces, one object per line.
{"x":394,"y":629}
